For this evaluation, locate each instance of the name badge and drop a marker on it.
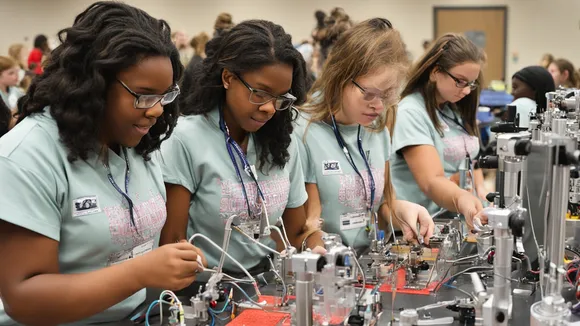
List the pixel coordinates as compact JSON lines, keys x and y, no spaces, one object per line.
{"x":125,"y":255}
{"x":331,"y":168}
{"x":351,"y":221}
{"x":85,"y":206}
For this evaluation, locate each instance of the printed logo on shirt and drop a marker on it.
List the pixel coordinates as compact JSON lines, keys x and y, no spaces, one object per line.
{"x":352,"y":190}
{"x":149,"y":215}
{"x":276,"y":189}
{"x":331,"y":168}
{"x":85,"y":206}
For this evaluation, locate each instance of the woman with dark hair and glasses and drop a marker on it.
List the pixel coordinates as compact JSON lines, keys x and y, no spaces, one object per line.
{"x":345,"y":147}
{"x":435,"y":130}
{"x":81,"y":217}
{"x":231,"y":152}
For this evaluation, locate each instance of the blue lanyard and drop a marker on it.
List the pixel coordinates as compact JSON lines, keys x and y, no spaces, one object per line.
{"x":121,"y":192}
{"x":231,"y":143}
{"x":350,"y":160}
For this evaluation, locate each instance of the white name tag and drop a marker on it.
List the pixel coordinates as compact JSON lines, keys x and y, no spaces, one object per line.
{"x":351,"y":221}
{"x":331,"y":167}
{"x":125,"y":255}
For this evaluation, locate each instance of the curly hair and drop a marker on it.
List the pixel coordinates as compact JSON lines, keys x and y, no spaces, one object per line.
{"x":104,"y":40}
{"x":250,"y":46}
{"x":5,"y":117}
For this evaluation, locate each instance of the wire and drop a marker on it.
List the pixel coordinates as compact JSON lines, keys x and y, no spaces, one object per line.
{"x":568,"y":274}
{"x":285,"y":290}
{"x":460,"y":259}
{"x":452,"y":277}
{"x":212,"y":320}
{"x":223,"y":308}
{"x":263,"y":246}
{"x":284,"y":239}
{"x":364,"y":285}
{"x":228,"y":255}
{"x":284,"y":230}
{"x":226,"y":243}
{"x":540,"y":254}
{"x":151,"y":306}
{"x":245,"y":294}
{"x":174,"y":298}
{"x":393,"y":229}
{"x":460,"y":290}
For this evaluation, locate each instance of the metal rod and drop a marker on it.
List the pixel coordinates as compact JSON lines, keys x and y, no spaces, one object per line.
{"x":304,"y":288}
{"x":557,"y":217}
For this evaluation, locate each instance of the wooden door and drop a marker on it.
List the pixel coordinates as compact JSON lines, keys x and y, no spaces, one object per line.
{"x":486,"y":26}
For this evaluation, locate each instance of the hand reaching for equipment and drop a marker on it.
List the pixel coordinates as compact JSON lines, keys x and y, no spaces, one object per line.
{"x":412,"y":214}
{"x":470,"y":206}
{"x":173,"y":266}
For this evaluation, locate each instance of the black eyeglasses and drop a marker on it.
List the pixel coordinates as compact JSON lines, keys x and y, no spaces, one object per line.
{"x":259,"y":97}
{"x":370,"y":94}
{"x":143,"y":101}
{"x":461,"y":83}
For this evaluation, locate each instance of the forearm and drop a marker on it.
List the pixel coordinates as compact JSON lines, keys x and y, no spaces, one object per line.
{"x":444,"y":193}
{"x":53,"y":299}
{"x":388,"y":215}
{"x":311,"y":239}
{"x":478,"y":178}
{"x":172,"y":233}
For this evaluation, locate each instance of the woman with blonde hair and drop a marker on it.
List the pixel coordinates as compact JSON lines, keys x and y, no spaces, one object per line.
{"x":9,"y":90}
{"x":436,"y":130}
{"x":344,"y":144}
{"x":18,"y":52}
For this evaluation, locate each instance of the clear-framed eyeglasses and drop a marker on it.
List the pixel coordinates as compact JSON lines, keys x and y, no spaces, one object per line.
{"x":147,"y":101}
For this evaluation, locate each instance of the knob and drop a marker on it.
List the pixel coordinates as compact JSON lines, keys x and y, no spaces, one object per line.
{"x":523,"y":147}
{"x":516,"y":223}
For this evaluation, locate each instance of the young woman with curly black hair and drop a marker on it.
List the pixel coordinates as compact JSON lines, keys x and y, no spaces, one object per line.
{"x":78,"y":231}
{"x":231,"y":152}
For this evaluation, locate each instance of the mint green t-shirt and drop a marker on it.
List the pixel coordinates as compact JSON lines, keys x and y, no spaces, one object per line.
{"x":413,"y":127}
{"x":195,"y":157}
{"x":76,"y":204}
{"x":342,"y":193}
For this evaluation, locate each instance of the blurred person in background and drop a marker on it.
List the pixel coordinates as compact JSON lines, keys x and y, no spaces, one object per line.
{"x":180,"y":40}
{"x":564,"y":73}
{"x":9,"y":90}
{"x":224,"y":22}
{"x":529,"y":88}
{"x":18,"y":52}
{"x":38,"y":54}
{"x":198,"y":43}
{"x":546,"y":60}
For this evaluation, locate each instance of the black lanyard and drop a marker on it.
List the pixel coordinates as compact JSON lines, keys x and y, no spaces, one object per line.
{"x":125,"y":194}
{"x":350,"y":160}
{"x":230,"y":142}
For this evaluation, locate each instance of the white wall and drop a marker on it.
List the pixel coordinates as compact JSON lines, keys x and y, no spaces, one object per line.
{"x":534,"y":26}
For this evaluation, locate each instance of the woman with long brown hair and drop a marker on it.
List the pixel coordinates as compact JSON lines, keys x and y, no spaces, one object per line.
{"x":436,"y":129}
{"x":564,"y":74}
{"x":343,"y":140}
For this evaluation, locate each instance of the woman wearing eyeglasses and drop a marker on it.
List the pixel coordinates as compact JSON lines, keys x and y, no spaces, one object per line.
{"x":82,"y":196}
{"x":344,"y":144}
{"x":231,"y":152}
{"x":435,"y":129}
